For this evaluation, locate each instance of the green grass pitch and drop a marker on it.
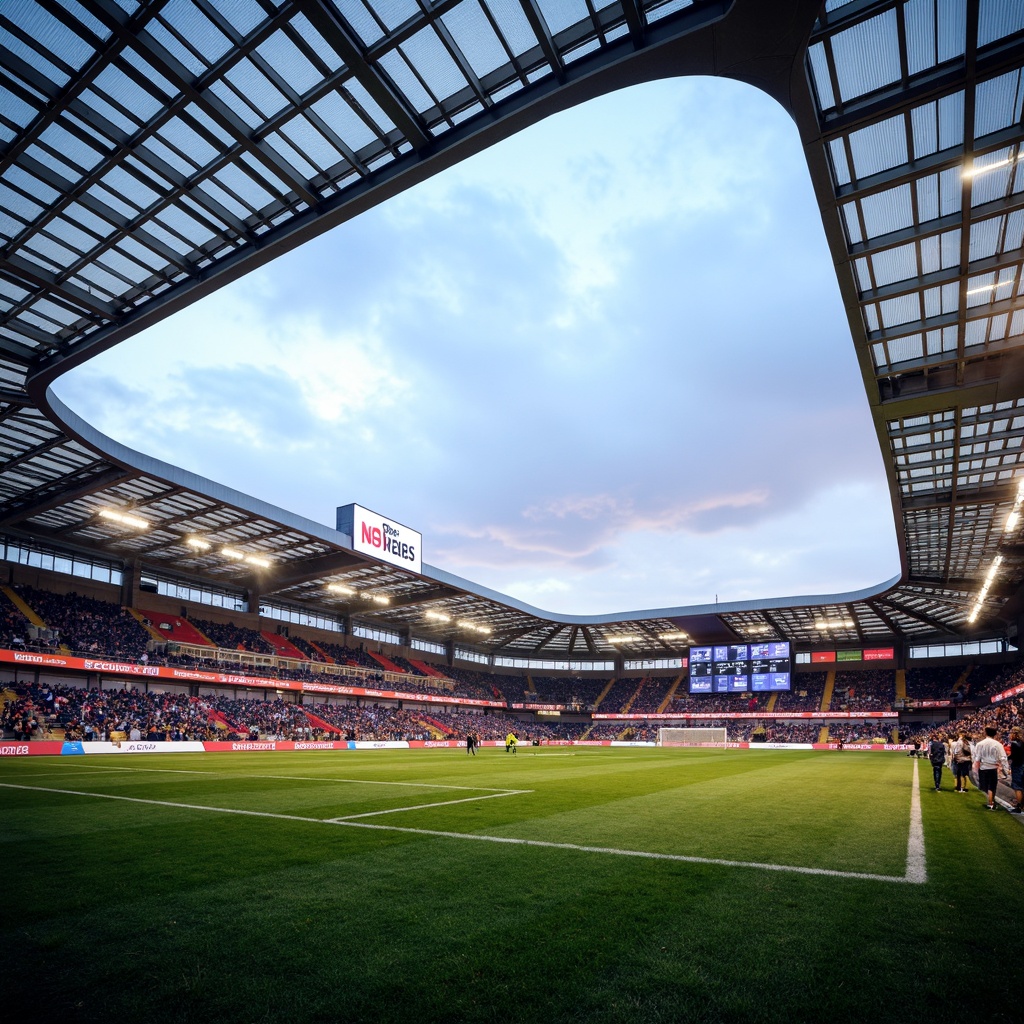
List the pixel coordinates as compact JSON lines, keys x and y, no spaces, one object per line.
{"x":586,"y":884}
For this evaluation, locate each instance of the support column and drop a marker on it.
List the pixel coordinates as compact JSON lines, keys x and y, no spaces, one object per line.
{"x":131,"y":577}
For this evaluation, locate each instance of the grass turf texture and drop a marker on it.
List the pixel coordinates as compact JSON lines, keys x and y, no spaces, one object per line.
{"x":145,"y":912}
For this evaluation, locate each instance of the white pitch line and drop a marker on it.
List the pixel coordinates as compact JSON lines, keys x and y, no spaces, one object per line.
{"x":634,"y":853}
{"x":161,"y":803}
{"x":419,"y":807}
{"x":916,"y":870}
{"x":609,"y":851}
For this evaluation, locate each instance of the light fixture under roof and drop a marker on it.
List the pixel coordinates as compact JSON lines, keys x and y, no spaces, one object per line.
{"x":1014,"y":517}
{"x":243,"y":556}
{"x":677,"y":635}
{"x":825,"y":625}
{"x":198,"y":543}
{"x":472,"y":626}
{"x":340,"y":588}
{"x":135,"y":522}
{"x":979,"y":601}
{"x":976,"y":171}
{"x":994,"y":286}
{"x":623,"y":638}
{"x":438,"y":616}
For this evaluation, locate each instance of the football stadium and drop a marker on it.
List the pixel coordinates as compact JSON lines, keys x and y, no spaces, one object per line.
{"x":259,"y":767}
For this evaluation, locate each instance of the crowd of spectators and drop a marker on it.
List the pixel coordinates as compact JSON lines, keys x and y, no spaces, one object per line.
{"x":87,"y":626}
{"x":307,"y":648}
{"x":986,"y":680}
{"x":232,"y":637}
{"x":707,"y":703}
{"x":571,"y":691}
{"x":864,"y":691}
{"x":936,"y":682}
{"x":77,"y":713}
{"x":344,"y":655}
{"x":83,"y":625}
{"x":859,"y":732}
{"x":615,"y":699}
{"x":651,"y":695}
{"x":806,"y":694}
{"x":495,"y":687}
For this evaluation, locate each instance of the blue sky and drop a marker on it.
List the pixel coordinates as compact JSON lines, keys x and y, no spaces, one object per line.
{"x":602,"y":366}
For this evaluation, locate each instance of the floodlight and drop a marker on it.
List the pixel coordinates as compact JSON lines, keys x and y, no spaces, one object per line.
{"x":135,"y":522}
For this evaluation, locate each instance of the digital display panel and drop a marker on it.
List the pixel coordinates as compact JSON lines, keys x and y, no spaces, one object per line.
{"x":741,"y":668}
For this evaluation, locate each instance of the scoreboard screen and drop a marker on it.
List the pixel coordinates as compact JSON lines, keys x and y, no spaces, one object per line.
{"x":741,"y":668}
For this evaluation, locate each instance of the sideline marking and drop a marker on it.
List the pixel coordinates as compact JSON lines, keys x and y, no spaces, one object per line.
{"x":916,"y":870}
{"x":793,"y":869}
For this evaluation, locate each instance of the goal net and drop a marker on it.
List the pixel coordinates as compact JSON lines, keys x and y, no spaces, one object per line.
{"x":668,"y":737}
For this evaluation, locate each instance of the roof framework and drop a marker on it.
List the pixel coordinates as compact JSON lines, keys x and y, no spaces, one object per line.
{"x":152,"y":151}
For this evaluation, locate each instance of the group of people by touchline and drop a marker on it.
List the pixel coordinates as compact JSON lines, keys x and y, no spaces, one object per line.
{"x":988,"y":757}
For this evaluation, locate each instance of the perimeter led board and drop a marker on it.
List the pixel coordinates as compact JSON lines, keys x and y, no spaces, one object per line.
{"x":741,"y":668}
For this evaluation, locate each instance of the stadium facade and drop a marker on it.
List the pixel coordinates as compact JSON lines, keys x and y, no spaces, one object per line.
{"x":151,"y":152}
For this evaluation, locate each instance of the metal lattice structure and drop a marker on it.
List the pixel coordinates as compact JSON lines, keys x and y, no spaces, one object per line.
{"x":152,"y":151}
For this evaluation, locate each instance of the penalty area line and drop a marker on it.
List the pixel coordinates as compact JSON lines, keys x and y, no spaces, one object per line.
{"x":420,"y":807}
{"x":475,"y":837}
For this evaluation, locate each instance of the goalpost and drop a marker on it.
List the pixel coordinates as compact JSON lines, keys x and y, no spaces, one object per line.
{"x":675,"y":737}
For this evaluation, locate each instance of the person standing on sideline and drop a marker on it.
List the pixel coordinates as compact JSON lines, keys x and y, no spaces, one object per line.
{"x":989,"y":757}
{"x":470,"y":744}
{"x":962,"y":758}
{"x":510,"y":742}
{"x":1017,"y":769}
{"x":937,"y":756}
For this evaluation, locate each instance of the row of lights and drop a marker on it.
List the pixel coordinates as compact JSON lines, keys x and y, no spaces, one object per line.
{"x":343,"y":591}
{"x":196,"y":543}
{"x":1012,"y":521}
{"x":124,"y":519}
{"x":632,"y":638}
{"x":826,"y":625}
{"x":231,"y":554}
{"x":473,"y":627}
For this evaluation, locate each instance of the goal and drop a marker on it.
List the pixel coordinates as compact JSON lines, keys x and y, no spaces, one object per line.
{"x":668,"y":737}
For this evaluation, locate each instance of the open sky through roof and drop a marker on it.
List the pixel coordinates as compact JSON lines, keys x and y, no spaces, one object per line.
{"x":601,"y":365}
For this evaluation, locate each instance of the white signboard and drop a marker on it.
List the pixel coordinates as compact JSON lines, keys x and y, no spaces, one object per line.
{"x":382,"y":538}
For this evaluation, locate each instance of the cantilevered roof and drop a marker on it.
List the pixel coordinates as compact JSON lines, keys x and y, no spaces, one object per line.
{"x":152,"y":151}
